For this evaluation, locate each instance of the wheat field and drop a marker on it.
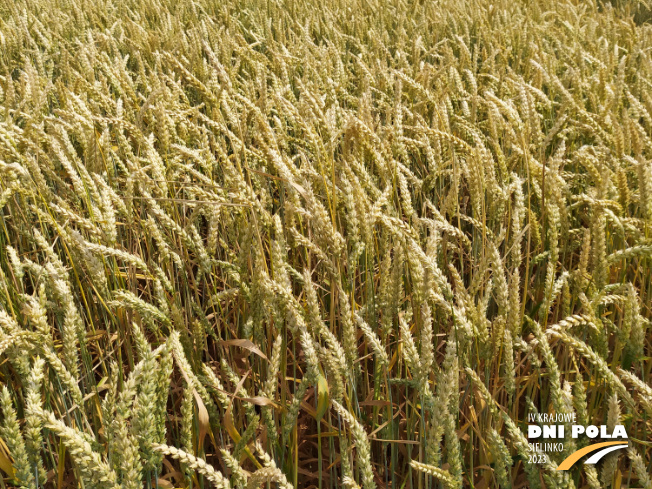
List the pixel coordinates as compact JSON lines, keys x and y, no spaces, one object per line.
{"x":302,"y":244}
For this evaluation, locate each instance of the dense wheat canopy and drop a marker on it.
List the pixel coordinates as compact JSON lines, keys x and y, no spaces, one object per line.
{"x":348,"y":243}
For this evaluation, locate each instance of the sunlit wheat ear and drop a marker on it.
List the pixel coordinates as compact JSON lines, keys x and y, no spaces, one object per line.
{"x":373,"y":340}
{"x":349,"y":482}
{"x":187,"y":423}
{"x":633,"y":327}
{"x":319,"y":327}
{"x":238,"y":475}
{"x":442,"y":475}
{"x":503,"y":459}
{"x":15,"y":263}
{"x":33,"y":422}
{"x":270,"y":387}
{"x":69,"y":380}
{"x":247,"y":435}
{"x":269,"y":463}
{"x":90,"y":463}
{"x":508,"y":364}
{"x":554,"y":383}
{"x":644,"y":172}
{"x":410,"y":353}
{"x":592,"y":478}
{"x":570,"y":445}
{"x":35,"y":309}
{"x":348,"y":328}
{"x":596,"y":361}
{"x":197,"y":464}
{"x":639,"y":468}
{"x":124,"y":452}
{"x":598,"y":248}
{"x":214,"y":384}
{"x":610,"y":463}
{"x":453,"y":450}
{"x":267,"y":475}
{"x":362,"y":446}
{"x":144,"y":411}
{"x":14,"y":439}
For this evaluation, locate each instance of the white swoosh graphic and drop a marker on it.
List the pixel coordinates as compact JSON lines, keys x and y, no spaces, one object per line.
{"x":595,"y":458}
